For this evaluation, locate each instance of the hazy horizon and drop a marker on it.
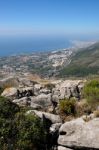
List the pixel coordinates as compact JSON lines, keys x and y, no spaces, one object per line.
{"x":29,"y":25}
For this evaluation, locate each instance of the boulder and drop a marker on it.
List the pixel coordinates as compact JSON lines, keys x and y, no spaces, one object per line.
{"x":67,"y":89}
{"x":35,"y":106}
{"x":78,"y":134}
{"x":45,"y":91}
{"x":55,"y":127}
{"x":53,"y":118}
{"x":55,"y":98}
{"x":22,"y":101}
{"x":25,"y":82}
{"x":63,"y":148}
{"x":42,"y":99}
{"x":10,"y":92}
{"x":37,"y":88}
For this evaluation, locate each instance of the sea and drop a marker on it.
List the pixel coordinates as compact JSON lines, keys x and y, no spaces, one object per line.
{"x":19,"y":45}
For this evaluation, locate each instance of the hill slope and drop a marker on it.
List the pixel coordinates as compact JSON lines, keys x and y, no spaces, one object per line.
{"x":84,"y":62}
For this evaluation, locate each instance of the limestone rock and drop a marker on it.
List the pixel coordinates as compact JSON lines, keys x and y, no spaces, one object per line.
{"x":37,"y":88}
{"x":63,"y":148}
{"x":42,"y":99}
{"x":35,"y":106}
{"x":67,"y":89}
{"x":53,"y":118}
{"x":10,"y":92}
{"x":22,"y":101}
{"x":79,"y":134}
{"x":55,"y":127}
{"x":45,"y":91}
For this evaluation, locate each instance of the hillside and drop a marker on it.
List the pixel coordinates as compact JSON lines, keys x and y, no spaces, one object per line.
{"x":60,"y":63}
{"x":84,"y":62}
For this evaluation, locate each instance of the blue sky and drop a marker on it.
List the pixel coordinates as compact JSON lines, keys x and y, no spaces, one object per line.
{"x":27,"y":25}
{"x":49,"y":17}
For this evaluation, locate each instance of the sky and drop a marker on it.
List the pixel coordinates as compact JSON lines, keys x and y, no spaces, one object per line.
{"x":46,"y":17}
{"x":49,"y":18}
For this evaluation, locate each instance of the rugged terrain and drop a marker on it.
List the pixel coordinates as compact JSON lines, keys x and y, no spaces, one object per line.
{"x":43,"y":100}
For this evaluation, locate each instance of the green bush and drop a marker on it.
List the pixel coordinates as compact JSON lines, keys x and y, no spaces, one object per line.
{"x":91,"y":91}
{"x":31,"y":132}
{"x":67,"y":106}
{"x":7,"y":108}
{"x":19,"y":131}
{"x":83,"y":108}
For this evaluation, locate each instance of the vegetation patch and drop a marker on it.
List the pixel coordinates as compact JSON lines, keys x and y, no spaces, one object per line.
{"x":91,"y":91}
{"x":67,"y":106}
{"x":19,"y":131}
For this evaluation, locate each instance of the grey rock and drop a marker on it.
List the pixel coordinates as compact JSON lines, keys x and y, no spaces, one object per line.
{"x":67,"y":89}
{"x":53,"y":118}
{"x":63,"y":148}
{"x":10,"y":92}
{"x":80,"y":134}
{"x":37,"y":88}
{"x":55,"y":98}
{"x":24,"y":82}
{"x":22,"y":101}
{"x":55,"y":127}
{"x":45,"y":91}
{"x":42,"y":99}
{"x":35,"y":106}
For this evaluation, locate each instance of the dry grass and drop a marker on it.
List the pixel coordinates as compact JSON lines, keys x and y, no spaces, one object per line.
{"x":96,"y":113}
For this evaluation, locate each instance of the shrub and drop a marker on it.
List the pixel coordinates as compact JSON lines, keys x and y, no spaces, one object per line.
{"x":7,"y":108}
{"x":31,"y":132}
{"x":96,"y":113}
{"x":83,"y":108}
{"x":67,"y":106}
{"x":91,"y":91}
{"x":19,"y":131}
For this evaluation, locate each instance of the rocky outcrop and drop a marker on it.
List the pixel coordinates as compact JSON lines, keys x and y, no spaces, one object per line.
{"x":13,"y":92}
{"x":62,"y":89}
{"x":43,"y":99}
{"x":25,"y":101}
{"x":78,"y":134}
{"x":37,"y":88}
{"x":53,"y":118}
{"x":55,"y":127}
{"x":68,"y":89}
{"x":25,"y":82}
{"x":45,"y":91}
{"x":10,"y":92}
{"x":40,"y":96}
{"x":35,"y":106}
